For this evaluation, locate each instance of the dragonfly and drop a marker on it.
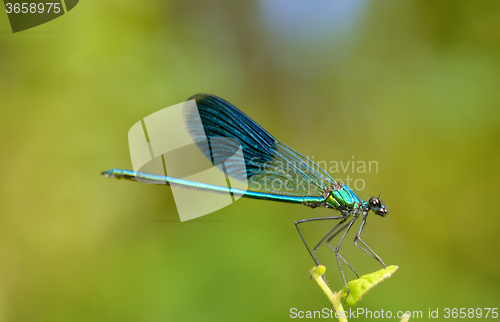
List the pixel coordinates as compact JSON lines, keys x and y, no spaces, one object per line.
{"x":268,"y":160}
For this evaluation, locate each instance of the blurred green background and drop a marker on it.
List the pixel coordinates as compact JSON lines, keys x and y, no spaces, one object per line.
{"x":413,"y":85}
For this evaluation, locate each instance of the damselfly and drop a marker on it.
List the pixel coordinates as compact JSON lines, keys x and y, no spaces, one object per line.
{"x":267,"y":161}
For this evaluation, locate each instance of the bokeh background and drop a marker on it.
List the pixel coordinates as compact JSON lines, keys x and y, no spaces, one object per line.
{"x":413,"y":85}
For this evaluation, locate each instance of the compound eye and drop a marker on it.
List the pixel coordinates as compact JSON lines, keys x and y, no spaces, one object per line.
{"x":374,"y":202}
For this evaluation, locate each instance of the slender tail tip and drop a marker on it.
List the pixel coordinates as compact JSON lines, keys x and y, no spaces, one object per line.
{"x":108,"y":173}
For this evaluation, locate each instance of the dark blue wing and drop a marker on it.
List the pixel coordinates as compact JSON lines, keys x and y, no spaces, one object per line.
{"x":271,"y":166}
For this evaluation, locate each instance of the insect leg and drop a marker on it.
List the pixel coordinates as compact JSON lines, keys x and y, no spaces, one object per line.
{"x":336,"y":250}
{"x":313,"y":254}
{"x":369,"y":251}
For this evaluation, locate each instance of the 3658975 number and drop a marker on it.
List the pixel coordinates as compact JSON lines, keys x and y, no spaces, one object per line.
{"x":470,"y":313}
{"x":47,"y":7}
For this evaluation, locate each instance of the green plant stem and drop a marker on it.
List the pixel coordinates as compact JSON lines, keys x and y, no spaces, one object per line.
{"x":334,"y":298}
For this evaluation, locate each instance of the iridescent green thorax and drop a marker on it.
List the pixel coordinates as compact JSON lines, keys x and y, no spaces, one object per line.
{"x":341,"y":196}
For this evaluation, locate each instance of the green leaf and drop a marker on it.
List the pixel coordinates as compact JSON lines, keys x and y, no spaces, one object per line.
{"x":358,"y":287}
